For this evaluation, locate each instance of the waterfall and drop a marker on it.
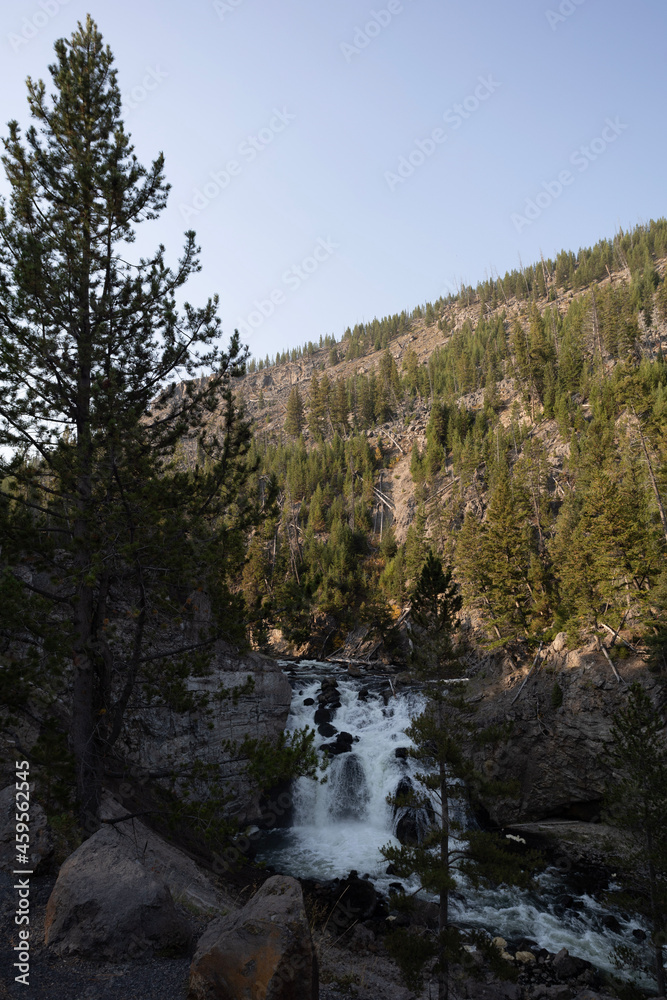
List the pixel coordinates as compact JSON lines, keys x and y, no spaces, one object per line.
{"x":340,"y":824}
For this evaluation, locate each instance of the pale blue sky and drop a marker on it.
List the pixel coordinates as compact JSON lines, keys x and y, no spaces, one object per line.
{"x":332,"y":122}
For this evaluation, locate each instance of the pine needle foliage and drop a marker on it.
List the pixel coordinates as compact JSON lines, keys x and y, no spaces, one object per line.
{"x":637,"y":802}
{"x":105,"y":533}
{"x":449,"y":850}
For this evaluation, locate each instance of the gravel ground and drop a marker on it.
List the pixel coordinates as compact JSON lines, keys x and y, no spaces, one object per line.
{"x":161,"y":979}
{"x":366,"y":977}
{"x":53,"y":978}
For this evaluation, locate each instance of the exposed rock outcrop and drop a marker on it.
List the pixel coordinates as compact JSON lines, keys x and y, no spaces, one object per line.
{"x":263,"y":951}
{"x":413,"y":821}
{"x":158,"y":739}
{"x":577,"y":843}
{"x":560,"y":725}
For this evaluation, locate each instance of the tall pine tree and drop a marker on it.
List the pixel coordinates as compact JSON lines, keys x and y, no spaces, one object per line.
{"x":637,"y":802}
{"x":294,"y":418}
{"x":99,"y":378}
{"x":439,"y":732}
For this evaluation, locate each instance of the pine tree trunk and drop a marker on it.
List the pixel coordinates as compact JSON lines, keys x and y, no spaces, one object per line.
{"x":443,"y":915}
{"x":656,"y":490}
{"x":83,"y":738}
{"x":83,"y":742}
{"x":83,"y":723}
{"x":659,"y":967}
{"x":655,"y":919}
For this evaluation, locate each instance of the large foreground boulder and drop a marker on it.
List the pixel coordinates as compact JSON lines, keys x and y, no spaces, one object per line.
{"x":107,"y":906}
{"x":189,"y":885}
{"x":262,"y":952}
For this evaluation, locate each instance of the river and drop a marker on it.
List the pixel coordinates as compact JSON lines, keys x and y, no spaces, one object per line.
{"x":341,"y":824}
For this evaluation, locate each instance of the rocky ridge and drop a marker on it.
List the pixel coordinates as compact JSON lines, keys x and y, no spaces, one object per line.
{"x":559,"y":728}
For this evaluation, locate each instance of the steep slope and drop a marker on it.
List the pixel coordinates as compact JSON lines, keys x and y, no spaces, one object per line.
{"x":488,"y":426}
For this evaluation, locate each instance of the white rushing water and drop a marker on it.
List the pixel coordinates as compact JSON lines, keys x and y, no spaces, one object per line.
{"x":340,"y":826}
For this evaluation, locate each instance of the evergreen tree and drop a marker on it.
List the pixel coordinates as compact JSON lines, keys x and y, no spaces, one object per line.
{"x":367,"y":394}
{"x":316,"y":519}
{"x":507,"y":548}
{"x":436,"y":437}
{"x":382,"y":403}
{"x":521,"y":351}
{"x":340,"y":406}
{"x":415,"y":549}
{"x":389,"y":372}
{"x":90,"y":341}
{"x":411,"y":369}
{"x":438,"y":734}
{"x":294,"y":419}
{"x":637,"y":802}
{"x":254,"y":580}
{"x":542,"y":355}
{"x":325,"y":397}
{"x":606,"y":550}
{"x":473,"y":566}
{"x":661,"y":300}
{"x":316,"y":411}
{"x":417,"y":466}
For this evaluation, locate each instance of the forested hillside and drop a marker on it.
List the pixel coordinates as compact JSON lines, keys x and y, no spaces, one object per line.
{"x":519,"y":427}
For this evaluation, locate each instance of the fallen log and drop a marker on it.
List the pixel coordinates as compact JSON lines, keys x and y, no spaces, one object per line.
{"x":619,"y":638}
{"x":611,"y":664}
{"x":525,"y":680}
{"x":349,"y":660}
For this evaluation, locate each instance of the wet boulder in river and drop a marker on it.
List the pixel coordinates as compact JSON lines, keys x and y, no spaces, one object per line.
{"x":343,"y":744}
{"x":336,"y":748}
{"x":413,"y":817}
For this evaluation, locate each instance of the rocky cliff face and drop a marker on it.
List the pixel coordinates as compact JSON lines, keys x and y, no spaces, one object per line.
{"x":560,"y":727}
{"x":159,"y":740}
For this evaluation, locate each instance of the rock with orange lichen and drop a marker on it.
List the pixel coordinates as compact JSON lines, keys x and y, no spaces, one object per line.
{"x":262,"y":952}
